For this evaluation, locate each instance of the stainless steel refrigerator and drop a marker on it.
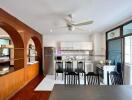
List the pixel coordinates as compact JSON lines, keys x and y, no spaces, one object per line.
{"x":49,"y":60}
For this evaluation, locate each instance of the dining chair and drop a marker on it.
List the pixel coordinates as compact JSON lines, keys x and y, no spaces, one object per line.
{"x":69,"y":66}
{"x":108,"y":82}
{"x":80,"y":67}
{"x":116,"y":78}
{"x":59,"y":69}
{"x":119,"y":67}
{"x":91,"y":79}
{"x":71,"y":78}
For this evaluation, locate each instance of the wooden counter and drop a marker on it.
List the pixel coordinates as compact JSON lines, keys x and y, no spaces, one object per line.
{"x":12,"y":82}
{"x":20,"y":35}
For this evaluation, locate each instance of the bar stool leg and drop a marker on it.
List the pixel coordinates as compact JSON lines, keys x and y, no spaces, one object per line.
{"x":55,"y":76}
{"x":65,"y":79}
{"x":62,"y":76}
{"x":78,"y":79}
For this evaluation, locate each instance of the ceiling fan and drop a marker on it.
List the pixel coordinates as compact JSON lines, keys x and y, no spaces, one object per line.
{"x":71,"y":25}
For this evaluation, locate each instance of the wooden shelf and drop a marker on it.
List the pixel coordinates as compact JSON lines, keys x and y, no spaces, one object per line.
{"x":18,"y":48}
{"x":10,"y":48}
{"x":4,"y":60}
{"x":7,"y":60}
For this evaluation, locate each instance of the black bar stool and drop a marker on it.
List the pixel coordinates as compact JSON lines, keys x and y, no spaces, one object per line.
{"x":59,"y":68}
{"x":92,"y":79}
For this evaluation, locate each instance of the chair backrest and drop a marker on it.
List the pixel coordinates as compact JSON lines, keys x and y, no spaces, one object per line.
{"x":92,"y":79}
{"x":116,"y":78}
{"x":69,"y":66}
{"x":59,"y":65}
{"x":108,"y":82}
{"x":119,"y":67}
{"x":80,"y":65}
{"x":71,"y":78}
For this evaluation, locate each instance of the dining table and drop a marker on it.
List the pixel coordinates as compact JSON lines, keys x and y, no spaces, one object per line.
{"x":91,"y":92}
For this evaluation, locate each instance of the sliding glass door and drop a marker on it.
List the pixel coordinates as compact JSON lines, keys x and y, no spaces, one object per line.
{"x":127,"y":33}
{"x":114,"y":51}
{"x":119,"y":49}
{"x":128,"y":49}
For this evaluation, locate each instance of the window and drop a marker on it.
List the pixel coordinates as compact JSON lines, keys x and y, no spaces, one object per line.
{"x":127,"y":29}
{"x":113,"y":34}
{"x":114,"y":51}
{"x":4,"y":51}
{"x":128,"y":49}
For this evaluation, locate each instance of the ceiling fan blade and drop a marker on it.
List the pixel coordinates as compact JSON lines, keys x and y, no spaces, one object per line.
{"x":80,"y":29}
{"x":68,"y":21}
{"x":83,"y":23}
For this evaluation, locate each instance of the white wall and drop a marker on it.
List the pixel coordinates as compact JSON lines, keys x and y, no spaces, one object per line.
{"x":99,"y":45}
{"x":52,"y":40}
{"x":98,"y":40}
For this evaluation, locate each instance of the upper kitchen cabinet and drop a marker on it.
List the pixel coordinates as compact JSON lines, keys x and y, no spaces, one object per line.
{"x":66,"y":45}
{"x":76,"y":46}
{"x":86,"y":46}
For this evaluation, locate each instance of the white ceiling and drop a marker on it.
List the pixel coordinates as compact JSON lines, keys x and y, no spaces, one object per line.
{"x":44,"y":15}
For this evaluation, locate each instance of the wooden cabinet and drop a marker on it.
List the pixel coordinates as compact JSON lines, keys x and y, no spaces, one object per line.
{"x":31,"y":71}
{"x":12,"y":82}
{"x":20,"y":35}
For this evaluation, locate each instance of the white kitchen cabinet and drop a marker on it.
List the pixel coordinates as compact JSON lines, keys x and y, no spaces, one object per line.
{"x":76,"y":45}
{"x":66,"y":45}
{"x":86,"y":46}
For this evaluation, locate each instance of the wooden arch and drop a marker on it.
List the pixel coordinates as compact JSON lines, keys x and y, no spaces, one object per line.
{"x":18,"y":45}
{"x":38,"y":47}
{"x":15,"y":36}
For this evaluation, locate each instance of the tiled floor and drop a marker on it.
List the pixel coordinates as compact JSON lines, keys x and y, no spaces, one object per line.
{"x":49,"y":81}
